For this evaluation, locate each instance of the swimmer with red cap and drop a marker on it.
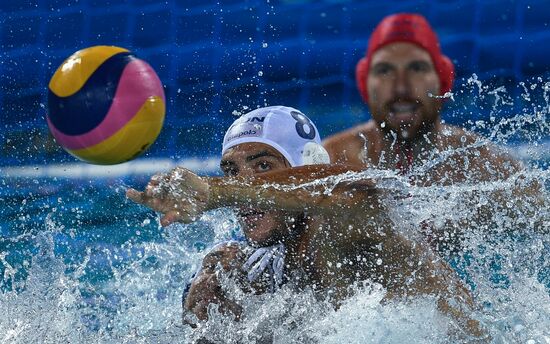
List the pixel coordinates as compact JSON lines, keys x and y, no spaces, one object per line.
{"x":405,"y":79}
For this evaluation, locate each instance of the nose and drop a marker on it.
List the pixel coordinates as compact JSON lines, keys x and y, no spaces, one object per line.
{"x":402,"y":84}
{"x":246,"y":171}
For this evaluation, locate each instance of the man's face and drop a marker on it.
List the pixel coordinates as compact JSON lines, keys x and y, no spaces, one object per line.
{"x":248,"y":159}
{"x":401,"y":77}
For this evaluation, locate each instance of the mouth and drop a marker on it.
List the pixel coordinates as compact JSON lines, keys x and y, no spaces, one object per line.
{"x":403,"y":112}
{"x":250,"y":215}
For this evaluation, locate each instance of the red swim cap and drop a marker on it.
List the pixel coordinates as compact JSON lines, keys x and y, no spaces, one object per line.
{"x":405,"y":27}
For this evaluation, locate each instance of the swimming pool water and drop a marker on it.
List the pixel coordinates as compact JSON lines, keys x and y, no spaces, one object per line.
{"x":80,"y":263}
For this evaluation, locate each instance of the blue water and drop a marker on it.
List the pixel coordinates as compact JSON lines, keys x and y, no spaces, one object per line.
{"x":74,"y":239}
{"x":82,"y":258}
{"x":80,"y":263}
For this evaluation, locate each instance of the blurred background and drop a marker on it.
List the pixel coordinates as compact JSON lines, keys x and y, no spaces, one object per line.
{"x":219,"y":59}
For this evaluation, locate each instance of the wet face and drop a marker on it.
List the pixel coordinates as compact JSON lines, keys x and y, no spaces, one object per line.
{"x":248,"y":159}
{"x":401,"y":77}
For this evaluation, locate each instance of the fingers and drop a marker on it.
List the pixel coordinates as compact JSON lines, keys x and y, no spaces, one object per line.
{"x":158,"y":185}
{"x":171,"y":214}
{"x":157,"y":179}
{"x":211,"y":293}
{"x":180,"y":195}
{"x":226,"y":306}
{"x":201,"y":294}
{"x":201,"y":310}
{"x":189,"y":318}
{"x":171,"y":217}
{"x":144,"y":199}
{"x":136,"y":196}
{"x":229,"y":306}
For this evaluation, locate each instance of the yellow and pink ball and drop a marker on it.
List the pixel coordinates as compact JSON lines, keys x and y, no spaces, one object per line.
{"x":105,"y":106}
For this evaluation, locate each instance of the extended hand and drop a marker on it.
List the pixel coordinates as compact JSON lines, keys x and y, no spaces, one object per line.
{"x":180,"y":195}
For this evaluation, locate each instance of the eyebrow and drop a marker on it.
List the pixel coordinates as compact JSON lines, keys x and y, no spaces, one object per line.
{"x":225,"y":163}
{"x":260,"y":155}
{"x":421,"y":62}
{"x":389,"y":64}
{"x":381,"y":63}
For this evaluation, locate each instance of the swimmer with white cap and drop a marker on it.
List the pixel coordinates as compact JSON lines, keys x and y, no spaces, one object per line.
{"x":262,"y":140}
{"x":266,"y":139}
{"x":335,"y":231}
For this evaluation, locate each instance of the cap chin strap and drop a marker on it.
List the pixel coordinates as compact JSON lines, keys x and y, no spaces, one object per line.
{"x":314,"y":154}
{"x":271,"y":260}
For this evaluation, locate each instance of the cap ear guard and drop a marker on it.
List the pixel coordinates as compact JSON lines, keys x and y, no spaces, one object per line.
{"x":314,"y":154}
{"x":361,"y":71}
{"x":447,"y":68}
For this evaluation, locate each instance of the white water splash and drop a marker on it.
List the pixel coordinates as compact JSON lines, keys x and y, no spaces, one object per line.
{"x":104,"y":299}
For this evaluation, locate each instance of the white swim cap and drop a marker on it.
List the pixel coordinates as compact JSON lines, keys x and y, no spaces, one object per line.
{"x":286,"y":129}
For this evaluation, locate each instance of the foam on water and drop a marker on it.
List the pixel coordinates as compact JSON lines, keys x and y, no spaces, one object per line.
{"x":56,"y":287}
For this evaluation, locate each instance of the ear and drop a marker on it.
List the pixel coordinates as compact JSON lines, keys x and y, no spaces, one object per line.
{"x":314,"y":154}
{"x":361,"y":71}
{"x":446,"y":68}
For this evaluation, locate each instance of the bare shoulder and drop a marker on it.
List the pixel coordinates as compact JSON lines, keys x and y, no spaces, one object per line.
{"x":487,"y":156}
{"x":348,"y":145}
{"x":457,"y":136}
{"x":349,"y":135}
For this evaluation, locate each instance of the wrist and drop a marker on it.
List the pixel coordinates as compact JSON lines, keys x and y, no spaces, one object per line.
{"x":214,"y":193}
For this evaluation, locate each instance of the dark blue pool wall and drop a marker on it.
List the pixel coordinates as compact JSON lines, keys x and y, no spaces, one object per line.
{"x":215,"y":58}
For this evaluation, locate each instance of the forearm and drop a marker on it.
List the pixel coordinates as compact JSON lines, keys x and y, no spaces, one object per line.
{"x":318,"y":188}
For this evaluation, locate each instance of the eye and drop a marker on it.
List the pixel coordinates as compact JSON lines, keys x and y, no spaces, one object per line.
{"x":420,"y":66}
{"x":263,"y":166}
{"x":230,"y":171}
{"x":382,"y":69}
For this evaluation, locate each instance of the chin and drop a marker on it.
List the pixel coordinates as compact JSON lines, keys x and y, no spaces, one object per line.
{"x":411,"y":131}
{"x":402,"y":133}
{"x":260,"y":228}
{"x":407,"y":134}
{"x":260,"y":239}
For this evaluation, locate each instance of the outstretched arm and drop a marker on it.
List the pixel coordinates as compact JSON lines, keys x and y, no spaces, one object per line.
{"x":315,"y":188}
{"x":181,"y":195}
